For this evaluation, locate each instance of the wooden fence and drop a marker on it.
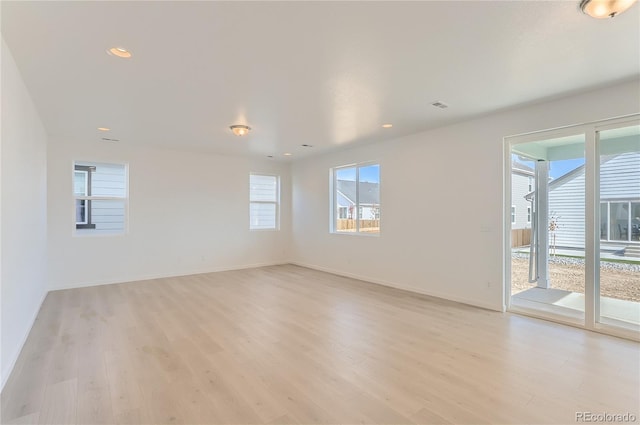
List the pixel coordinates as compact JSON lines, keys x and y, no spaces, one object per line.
{"x":345,"y":225}
{"x":520,"y":237}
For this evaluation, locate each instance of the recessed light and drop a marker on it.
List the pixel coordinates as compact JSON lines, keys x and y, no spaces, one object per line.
{"x":440,"y":105}
{"x":120,"y":52}
{"x":306,"y":146}
{"x":269,"y":156}
{"x":103,"y":129}
{"x":287,"y":154}
{"x":387,"y":125}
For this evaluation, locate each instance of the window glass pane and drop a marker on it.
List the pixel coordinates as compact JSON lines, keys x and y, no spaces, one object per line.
{"x":263,"y":188}
{"x":108,"y":180}
{"x":369,"y":198}
{"x":619,"y":295}
{"x":345,"y":186}
{"x":262,"y":216}
{"x":635,"y":221}
{"x":619,"y":221}
{"x":80,"y":183}
{"x":604,"y":220}
{"x":108,"y":217}
{"x":263,"y":206}
{"x":81,"y":212}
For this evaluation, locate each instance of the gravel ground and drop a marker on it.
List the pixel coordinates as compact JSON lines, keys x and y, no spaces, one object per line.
{"x":617,"y":280}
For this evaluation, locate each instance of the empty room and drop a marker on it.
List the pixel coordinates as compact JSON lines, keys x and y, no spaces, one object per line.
{"x":320,"y":212}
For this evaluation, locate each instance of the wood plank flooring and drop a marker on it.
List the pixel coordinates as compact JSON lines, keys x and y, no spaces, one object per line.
{"x":289,"y":345}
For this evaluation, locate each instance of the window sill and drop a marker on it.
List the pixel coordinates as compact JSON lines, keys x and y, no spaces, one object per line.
{"x":365,"y":234}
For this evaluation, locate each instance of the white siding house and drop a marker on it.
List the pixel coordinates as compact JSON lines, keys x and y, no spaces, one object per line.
{"x":619,"y":202}
{"x":522,"y":183}
{"x":106,"y":185}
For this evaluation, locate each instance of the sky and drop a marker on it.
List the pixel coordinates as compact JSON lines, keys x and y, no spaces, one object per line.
{"x":558,"y":168}
{"x":370,"y":173}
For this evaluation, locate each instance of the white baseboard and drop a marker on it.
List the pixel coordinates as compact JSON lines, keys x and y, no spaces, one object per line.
{"x":163,"y":275}
{"x":395,"y":285}
{"x":14,"y":356}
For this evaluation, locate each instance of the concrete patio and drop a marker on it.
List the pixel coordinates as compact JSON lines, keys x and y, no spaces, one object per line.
{"x":572,"y":304}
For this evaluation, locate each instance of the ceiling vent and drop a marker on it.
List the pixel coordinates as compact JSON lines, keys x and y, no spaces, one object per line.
{"x":440,"y":105}
{"x":106,"y":139}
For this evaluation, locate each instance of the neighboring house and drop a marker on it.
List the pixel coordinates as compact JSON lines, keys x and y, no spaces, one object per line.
{"x":369,"y":200}
{"x":522,"y":183}
{"x":619,"y":202}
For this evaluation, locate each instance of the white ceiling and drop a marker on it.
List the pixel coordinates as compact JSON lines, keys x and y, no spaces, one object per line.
{"x":327,"y":74}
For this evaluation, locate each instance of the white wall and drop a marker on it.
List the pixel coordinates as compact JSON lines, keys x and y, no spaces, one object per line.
{"x":455,"y":248}
{"x":24,"y":213}
{"x":188,"y":213}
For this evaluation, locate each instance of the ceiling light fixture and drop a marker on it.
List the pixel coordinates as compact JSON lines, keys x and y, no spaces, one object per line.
{"x":601,"y":9}
{"x":104,"y":129}
{"x":387,"y":125}
{"x":120,"y":52}
{"x":240,"y":130}
{"x":287,"y":154}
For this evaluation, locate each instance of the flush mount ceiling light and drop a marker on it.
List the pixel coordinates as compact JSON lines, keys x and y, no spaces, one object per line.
{"x":387,"y":125}
{"x":601,"y":9}
{"x":120,"y":52}
{"x":240,"y":130}
{"x":287,"y":154}
{"x":103,"y":129}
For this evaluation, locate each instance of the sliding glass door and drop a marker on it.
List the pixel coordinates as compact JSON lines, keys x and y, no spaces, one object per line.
{"x":553,"y":262}
{"x":572,"y":212}
{"x":619,"y":230}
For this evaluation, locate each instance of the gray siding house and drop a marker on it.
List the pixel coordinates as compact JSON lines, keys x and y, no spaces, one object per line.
{"x":619,"y":203}
{"x":369,"y":200}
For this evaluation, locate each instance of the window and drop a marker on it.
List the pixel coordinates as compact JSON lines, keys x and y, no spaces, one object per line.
{"x":356,"y":199}
{"x":620,"y":221}
{"x":82,"y":188}
{"x":513,"y":214}
{"x":264,"y":202}
{"x":100,"y":198}
{"x":528,"y":214}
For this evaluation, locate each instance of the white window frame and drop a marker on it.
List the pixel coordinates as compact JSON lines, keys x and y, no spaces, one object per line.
{"x":89,"y":198}
{"x":276,"y":203}
{"x":592,"y":320}
{"x":357,"y":208}
{"x":86,"y":189}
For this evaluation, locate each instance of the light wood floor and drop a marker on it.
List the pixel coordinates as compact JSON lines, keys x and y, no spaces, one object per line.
{"x":286,"y":344}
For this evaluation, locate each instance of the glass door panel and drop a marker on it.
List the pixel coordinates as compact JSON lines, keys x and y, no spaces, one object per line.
{"x":548,"y":273}
{"x":619,"y":294}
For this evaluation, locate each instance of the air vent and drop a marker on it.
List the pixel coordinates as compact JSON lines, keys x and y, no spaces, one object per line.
{"x":440,"y":105}
{"x":307,"y":146}
{"x":106,"y":139}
